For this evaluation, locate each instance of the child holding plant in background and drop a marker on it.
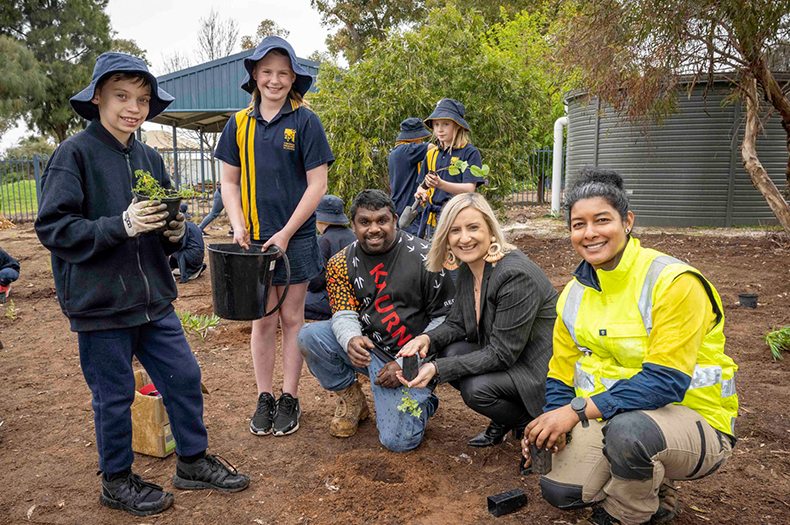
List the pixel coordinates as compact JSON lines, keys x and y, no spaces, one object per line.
{"x":276,"y":156}
{"x":114,"y":284}
{"x":452,"y":134}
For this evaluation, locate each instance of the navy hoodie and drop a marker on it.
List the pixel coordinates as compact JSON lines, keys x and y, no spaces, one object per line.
{"x":104,"y":279}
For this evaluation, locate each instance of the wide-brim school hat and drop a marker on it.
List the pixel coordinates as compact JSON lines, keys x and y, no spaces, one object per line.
{"x":449,"y":109}
{"x":111,"y":63}
{"x":330,"y":210}
{"x":413,"y":129}
{"x":303,"y":79}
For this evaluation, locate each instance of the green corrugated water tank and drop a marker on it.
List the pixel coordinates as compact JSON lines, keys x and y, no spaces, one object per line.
{"x":685,"y":172}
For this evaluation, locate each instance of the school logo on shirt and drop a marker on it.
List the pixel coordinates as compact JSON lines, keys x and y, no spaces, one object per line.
{"x":289,"y":139}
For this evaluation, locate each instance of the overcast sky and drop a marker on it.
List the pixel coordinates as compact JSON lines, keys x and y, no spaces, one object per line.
{"x":162,"y":27}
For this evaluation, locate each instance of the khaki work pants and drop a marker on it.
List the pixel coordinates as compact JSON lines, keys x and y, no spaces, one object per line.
{"x":623,"y":462}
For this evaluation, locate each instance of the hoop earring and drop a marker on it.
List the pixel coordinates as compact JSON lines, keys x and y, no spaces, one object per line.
{"x":494,"y":253}
{"x":450,"y":261}
{"x":627,"y":231}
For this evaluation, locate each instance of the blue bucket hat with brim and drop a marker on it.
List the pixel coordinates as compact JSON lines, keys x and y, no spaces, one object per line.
{"x":449,"y":109}
{"x":111,"y":63}
{"x":303,"y":79}
{"x":413,"y":129}
{"x":330,"y":210}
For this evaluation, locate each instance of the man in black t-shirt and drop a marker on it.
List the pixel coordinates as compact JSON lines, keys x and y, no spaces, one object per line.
{"x":381,"y":296}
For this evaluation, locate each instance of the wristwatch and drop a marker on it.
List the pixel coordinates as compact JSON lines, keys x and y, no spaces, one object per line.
{"x":579,"y":405}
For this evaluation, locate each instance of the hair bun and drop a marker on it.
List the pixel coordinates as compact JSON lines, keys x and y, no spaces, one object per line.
{"x":591,"y":174}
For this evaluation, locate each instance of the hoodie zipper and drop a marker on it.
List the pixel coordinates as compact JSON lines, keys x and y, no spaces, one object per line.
{"x":137,"y":244}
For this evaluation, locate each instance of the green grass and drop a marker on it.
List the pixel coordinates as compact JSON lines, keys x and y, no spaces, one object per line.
{"x":18,"y":197}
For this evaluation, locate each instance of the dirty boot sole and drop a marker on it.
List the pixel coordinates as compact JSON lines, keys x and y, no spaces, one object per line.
{"x":344,"y":433}
{"x":117,"y":505}
{"x":188,"y":484}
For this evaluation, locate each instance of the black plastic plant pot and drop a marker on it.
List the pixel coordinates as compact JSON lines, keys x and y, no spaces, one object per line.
{"x":748,"y":300}
{"x":506,"y":502}
{"x":541,"y":459}
{"x":410,"y":367}
{"x":173,"y":207}
{"x":242,"y":279}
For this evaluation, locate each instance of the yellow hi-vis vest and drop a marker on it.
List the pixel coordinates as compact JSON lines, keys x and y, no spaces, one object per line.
{"x":612,"y":328}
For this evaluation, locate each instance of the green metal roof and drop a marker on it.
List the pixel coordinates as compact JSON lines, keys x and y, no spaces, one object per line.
{"x":208,"y":94}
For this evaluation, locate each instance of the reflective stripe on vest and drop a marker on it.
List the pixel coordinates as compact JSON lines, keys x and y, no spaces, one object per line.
{"x":702,"y":376}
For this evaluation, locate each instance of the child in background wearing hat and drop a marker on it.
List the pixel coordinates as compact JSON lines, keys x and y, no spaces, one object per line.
{"x":404,"y":165}
{"x":187,"y":262}
{"x":276,"y":157}
{"x":335,"y":235}
{"x":452,"y":134}
{"x":114,"y":283}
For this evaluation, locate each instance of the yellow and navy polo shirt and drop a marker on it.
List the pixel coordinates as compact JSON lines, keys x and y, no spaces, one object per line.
{"x":404,"y":167}
{"x":274,"y":158}
{"x":437,"y":159}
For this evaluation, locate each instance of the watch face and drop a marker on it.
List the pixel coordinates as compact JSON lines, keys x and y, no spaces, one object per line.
{"x":578,"y":403}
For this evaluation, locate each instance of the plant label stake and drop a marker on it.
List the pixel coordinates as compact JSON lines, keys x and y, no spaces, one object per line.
{"x":506,"y":502}
{"x":410,"y":367}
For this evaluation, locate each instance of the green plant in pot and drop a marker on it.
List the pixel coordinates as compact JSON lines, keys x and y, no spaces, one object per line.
{"x":148,"y":188}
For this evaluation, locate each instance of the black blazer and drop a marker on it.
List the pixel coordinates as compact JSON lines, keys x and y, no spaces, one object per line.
{"x":518,"y":310}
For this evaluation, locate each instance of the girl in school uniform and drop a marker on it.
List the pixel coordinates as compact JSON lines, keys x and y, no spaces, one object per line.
{"x":276,"y":156}
{"x":452,"y":136}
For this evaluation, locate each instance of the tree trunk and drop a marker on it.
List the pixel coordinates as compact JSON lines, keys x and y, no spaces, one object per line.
{"x":779,"y":100}
{"x":753,"y":166}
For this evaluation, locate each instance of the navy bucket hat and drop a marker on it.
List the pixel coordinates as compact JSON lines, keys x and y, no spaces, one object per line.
{"x":108,"y":64}
{"x":330,"y":210}
{"x":303,"y":79}
{"x":413,"y":129}
{"x":450,"y":109}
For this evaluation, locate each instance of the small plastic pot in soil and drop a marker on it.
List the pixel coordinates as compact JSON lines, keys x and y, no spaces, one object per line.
{"x":747,"y":300}
{"x":173,"y":207}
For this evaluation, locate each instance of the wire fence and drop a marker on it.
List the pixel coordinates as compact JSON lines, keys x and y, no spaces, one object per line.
{"x":531,"y":184}
{"x":20,"y":181}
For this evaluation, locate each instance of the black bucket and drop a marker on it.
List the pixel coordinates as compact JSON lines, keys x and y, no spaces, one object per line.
{"x":241,"y":280}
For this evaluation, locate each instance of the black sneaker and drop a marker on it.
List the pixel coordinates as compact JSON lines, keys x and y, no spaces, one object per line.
{"x":210,"y":472}
{"x":286,"y":416}
{"x":261,"y":422}
{"x":205,"y":234}
{"x":135,"y":496}
{"x":197,"y":273}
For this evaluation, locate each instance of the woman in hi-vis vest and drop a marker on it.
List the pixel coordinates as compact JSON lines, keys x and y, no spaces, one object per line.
{"x":639,"y":391}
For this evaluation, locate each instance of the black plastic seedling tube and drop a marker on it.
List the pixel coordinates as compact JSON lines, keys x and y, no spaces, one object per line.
{"x":173,"y":207}
{"x":748,"y":300}
{"x":541,"y":459}
{"x":410,"y":367}
{"x":506,"y":502}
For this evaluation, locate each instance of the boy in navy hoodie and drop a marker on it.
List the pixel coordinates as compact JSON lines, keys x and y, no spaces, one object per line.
{"x":114,"y":283}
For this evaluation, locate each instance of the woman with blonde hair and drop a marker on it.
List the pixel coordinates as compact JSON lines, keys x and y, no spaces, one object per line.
{"x":495,"y":344}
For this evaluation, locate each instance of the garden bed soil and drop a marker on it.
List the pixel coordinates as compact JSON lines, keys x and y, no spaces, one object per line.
{"x":48,"y":458}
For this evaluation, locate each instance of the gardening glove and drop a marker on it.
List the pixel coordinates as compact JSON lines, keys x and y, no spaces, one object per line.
{"x":176,"y":229}
{"x":143,"y":216}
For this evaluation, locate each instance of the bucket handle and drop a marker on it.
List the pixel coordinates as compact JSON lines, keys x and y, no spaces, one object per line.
{"x":287,"y":280}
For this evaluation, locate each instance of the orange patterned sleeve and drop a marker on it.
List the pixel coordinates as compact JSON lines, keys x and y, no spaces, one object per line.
{"x":341,"y":294}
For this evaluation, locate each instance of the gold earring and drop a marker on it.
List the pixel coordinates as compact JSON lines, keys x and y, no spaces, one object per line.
{"x":494,"y":252}
{"x":450,"y":262}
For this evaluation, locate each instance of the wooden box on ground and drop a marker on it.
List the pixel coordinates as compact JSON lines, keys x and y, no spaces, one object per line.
{"x":150,"y":427}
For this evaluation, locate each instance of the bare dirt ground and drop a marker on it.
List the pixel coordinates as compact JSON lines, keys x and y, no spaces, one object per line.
{"x":48,"y":459}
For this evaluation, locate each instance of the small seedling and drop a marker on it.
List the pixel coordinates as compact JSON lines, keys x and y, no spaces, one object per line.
{"x":407,"y":404}
{"x":460,"y":166}
{"x":777,"y":341}
{"x":10,"y":310}
{"x":198,"y":324}
{"x":147,"y":185}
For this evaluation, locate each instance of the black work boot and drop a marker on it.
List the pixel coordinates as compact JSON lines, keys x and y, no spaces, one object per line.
{"x":209,"y":473}
{"x":133,"y":495}
{"x":494,"y":434}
